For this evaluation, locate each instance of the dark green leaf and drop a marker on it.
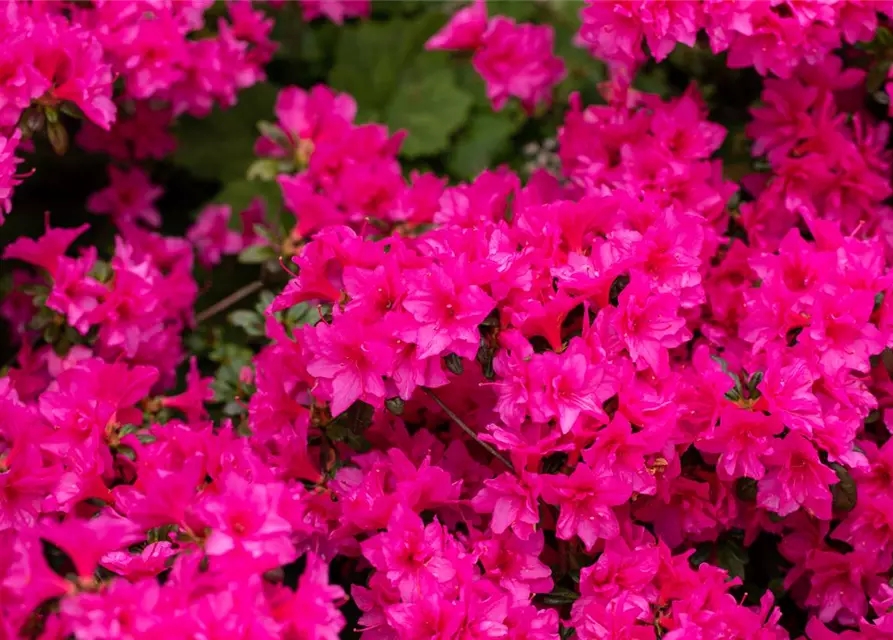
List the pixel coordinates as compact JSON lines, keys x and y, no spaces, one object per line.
{"x":430,"y":108}
{"x":485,"y":138}
{"x":844,"y":492}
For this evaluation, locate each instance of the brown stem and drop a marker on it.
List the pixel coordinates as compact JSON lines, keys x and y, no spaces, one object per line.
{"x":228,"y":301}
{"x":493,"y":452}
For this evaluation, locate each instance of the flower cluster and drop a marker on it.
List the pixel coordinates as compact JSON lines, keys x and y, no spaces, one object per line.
{"x":772,"y":36}
{"x":335,"y":10}
{"x":333,"y":170}
{"x":61,"y":59}
{"x":631,"y":398}
{"x":515,"y":60}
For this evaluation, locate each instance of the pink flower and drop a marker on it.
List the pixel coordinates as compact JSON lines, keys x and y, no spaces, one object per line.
{"x":648,"y":324}
{"x":570,"y":387}
{"x":128,"y":199}
{"x":211,"y":235}
{"x":464,"y":31}
{"x":148,"y":563}
{"x":306,"y":118}
{"x":310,"y":611}
{"x":795,"y":477}
{"x":517,"y":60}
{"x":198,"y":391}
{"x":839,"y":582}
{"x":740,"y":440}
{"x":46,"y":250}
{"x":448,"y":309}
{"x":87,"y":541}
{"x":247,"y":529}
{"x":8,"y":178}
{"x":26,"y":478}
{"x":415,"y":557}
{"x":350,"y":359}
{"x":512,"y":503}
{"x":787,"y":391}
{"x":585,"y":499}
{"x":335,"y":10}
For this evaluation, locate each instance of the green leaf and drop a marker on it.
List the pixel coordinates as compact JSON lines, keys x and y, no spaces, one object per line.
{"x":249,"y":321}
{"x":485,"y":138}
{"x":257,"y":254}
{"x":844,"y":492}
{"x":430,"y":108}
{"x":520,"y":10}
{"x":732,"y":557}
{"x":371,"y":58}
{"x":220,"y":146}
{"x":368,"y":62}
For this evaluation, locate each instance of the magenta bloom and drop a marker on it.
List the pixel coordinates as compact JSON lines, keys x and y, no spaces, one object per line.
{"x":128,"y":199}
{"x":335,"y":10}
{"x":246,"y":526}
{"x":648,"y":324}
{"x":741,"y":440}
{"x":192,"y":401}
{"x":312,"y":610}
{"x":518,"y":61}
{"x":585,"y":500}
{"x":351,"y":361}
{"x":512,"y":503}
{"x":148,"y":563}
{"x":796,"y":477}
{"x":211,"y":235}
{"x":8,"y":178}
{"x":87,"y":541}
{"x":464,"y":31}
{"x":448,"y":309}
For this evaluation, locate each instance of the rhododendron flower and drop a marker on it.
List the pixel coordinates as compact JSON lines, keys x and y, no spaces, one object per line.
{"x":796,"y":477}
{"x":311,"y":611}
{"x":335,"y":10}
{"x":740,"y":440}
{"x":129,"y":198}
{"x":192,"y":401}
{"x":87,"y":541}
{"x":448,"y":310}
{"x":350,"y":362}
{"x":148,"y":563}
{"x":648,"y":324}
{"x":517,"y":60}
{"x":512,"y":503}
{"x":212,"y":237}
{"x":8,"y":178}
{"x":464,"y":31}
{"x":245,"y":524}
{"x":585,"y":499}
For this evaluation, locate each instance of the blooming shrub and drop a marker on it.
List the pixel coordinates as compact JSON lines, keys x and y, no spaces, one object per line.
{"x":529,"y":320}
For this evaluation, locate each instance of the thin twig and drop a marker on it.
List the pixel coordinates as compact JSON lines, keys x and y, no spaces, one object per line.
{"x":228,"y":301}
{"x":493,"y":452}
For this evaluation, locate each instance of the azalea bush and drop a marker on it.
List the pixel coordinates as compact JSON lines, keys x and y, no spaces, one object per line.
{"x":537,"y":320}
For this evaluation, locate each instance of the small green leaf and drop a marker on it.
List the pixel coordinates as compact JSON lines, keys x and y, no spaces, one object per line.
{"x":249,"y":321}
{"x":454,"y":363}
{"x":844,"y":492}
{"x":257,"y":254}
